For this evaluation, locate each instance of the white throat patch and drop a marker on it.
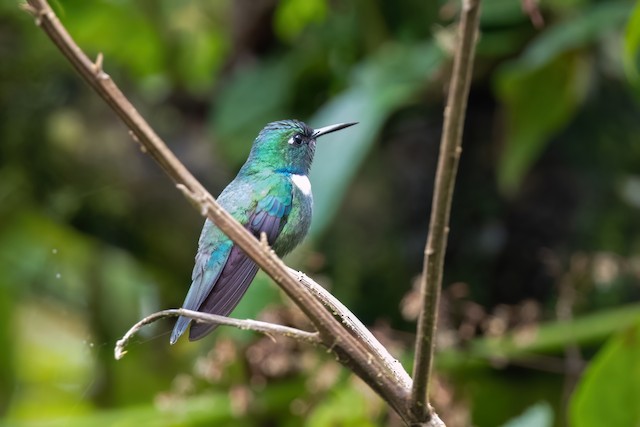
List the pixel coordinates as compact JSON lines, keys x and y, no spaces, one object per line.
{"x":302,"y":182}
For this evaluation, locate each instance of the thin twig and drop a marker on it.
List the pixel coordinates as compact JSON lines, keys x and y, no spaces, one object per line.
{"x":348,"y":349}
{"x":266,"y":328}
{"x":450,"y":149}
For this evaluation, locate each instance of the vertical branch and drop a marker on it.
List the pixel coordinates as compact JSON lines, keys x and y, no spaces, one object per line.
{"x":450,"y":149}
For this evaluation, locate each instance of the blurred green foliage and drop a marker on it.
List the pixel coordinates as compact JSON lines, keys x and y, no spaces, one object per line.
{"x":539,"y":415}
{"x":544,"y":250}
{"x":609,"y":389}
{"x":631,"y":54}
{"x":557,"y":65}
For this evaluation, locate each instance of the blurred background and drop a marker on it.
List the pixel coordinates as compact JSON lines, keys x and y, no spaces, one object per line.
{"x":540,"y":319}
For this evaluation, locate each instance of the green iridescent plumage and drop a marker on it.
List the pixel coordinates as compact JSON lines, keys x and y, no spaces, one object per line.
{"x":270,"y":194}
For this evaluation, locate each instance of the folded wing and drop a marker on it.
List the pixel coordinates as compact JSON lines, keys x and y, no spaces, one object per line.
{"x":218,"y":290}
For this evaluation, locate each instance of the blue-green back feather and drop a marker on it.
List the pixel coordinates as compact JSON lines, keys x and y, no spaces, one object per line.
{"x":223,"y":272}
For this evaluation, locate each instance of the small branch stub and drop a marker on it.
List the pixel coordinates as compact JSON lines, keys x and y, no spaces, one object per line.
{"x":97,"y":66}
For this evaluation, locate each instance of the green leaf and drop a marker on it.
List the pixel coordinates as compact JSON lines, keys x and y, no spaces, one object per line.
{"x":547,"y":337}
{"x":97,"y":27}
{"x":293,"y":16}
{"x":201,"y":54}
{"x":597,"y":21}
{"x":539,"y":415}
{"x":196,"y":48}
{"x":538,"y":103}
{"x":631,"y":53}
{"x":541,"y":90}
{"x":609,"y":391}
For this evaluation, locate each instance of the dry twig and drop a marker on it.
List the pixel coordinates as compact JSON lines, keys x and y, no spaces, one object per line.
{"x":266,"y":328}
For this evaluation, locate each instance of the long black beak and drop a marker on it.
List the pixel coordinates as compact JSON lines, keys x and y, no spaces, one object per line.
{"x":331,"y":128}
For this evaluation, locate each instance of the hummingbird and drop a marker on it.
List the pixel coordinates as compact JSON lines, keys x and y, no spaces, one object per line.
{"x":271,"y":194}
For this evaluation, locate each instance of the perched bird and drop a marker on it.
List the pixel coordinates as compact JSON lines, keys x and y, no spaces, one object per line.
{"x":270,"y":194}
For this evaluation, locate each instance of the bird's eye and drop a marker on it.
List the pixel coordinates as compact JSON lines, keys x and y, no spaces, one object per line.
{"x":296,"y":139}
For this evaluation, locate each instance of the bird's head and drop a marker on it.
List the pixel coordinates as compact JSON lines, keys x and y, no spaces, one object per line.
{"x":288,"y":145}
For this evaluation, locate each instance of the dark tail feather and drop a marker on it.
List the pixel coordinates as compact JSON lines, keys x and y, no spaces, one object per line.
{"x":233,"y":282}
{"x":179,"y":328}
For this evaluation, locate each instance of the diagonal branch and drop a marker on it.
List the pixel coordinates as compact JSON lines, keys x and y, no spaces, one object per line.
{"x":354,"y":326}
{"x":348,"y":349}
{"x":450,"y":149}
{"x":266,"y":328}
